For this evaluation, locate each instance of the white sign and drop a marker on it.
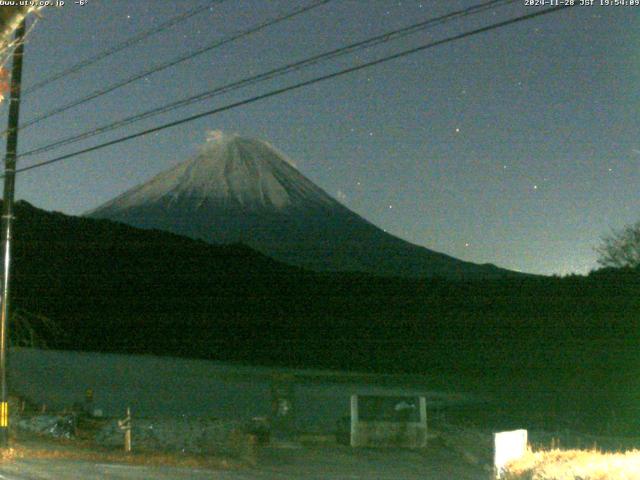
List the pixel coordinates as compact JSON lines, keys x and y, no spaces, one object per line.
{"x":508,"y":446}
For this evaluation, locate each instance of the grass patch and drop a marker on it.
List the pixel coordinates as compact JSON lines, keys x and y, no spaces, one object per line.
{"x":33,"y":446}
{"x":558,"y":464}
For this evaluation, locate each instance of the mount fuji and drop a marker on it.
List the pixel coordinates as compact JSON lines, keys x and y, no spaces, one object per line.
{"x":242,"y":190}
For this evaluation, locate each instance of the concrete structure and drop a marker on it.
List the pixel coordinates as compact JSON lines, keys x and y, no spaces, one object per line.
{"x":393,"y":421}
{"x":508,"y":446}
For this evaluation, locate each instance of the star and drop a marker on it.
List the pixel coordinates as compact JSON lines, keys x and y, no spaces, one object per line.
{"x":457,"y":130}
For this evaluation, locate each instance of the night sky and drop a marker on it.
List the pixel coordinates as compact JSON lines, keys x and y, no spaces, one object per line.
{"x":518,"y":147}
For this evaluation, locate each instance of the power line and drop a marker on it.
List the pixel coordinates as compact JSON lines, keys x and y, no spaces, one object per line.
{"x":121,"y":46}
{"x":175,"y":61}
{"x":297,"y":86}
{"x":370,"y":42}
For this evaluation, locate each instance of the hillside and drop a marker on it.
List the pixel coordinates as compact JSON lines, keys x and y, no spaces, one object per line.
{"x":546,"y":346}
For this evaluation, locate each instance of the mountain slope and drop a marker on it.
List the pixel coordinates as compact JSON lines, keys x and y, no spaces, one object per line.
{"x":561,"y":344}
{"x":242,"y":190}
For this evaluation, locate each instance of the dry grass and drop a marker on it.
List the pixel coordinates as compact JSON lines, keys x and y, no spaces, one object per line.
{"x":575,"y":465}
{"x":84,"y":448}
{"x":35,"y":446}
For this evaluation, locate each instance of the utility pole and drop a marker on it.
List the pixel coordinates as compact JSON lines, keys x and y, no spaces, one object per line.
{"x":7,"y":220}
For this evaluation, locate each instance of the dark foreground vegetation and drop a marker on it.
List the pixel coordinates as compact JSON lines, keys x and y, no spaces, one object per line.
{"x":556,"y":352}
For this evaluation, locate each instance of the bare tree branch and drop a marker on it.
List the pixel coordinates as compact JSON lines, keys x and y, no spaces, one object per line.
{"x":32,"y":330}
{"x":621,"y":248}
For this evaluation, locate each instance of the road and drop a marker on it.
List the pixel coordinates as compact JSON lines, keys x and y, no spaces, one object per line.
{"x":326,"y":463}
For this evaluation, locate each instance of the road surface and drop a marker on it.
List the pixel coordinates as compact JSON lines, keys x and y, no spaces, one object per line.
{"x":326,"y":463}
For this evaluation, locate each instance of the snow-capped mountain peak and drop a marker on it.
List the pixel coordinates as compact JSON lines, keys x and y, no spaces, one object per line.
{"x":238,"y":189}
{"x":230,"y":170}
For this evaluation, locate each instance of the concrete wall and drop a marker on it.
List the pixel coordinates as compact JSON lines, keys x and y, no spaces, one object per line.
{"x":389,"y":434}
{"x":379,"y":433}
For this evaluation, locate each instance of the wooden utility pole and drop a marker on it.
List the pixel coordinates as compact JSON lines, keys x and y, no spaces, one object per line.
{"x":7,"y":220}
